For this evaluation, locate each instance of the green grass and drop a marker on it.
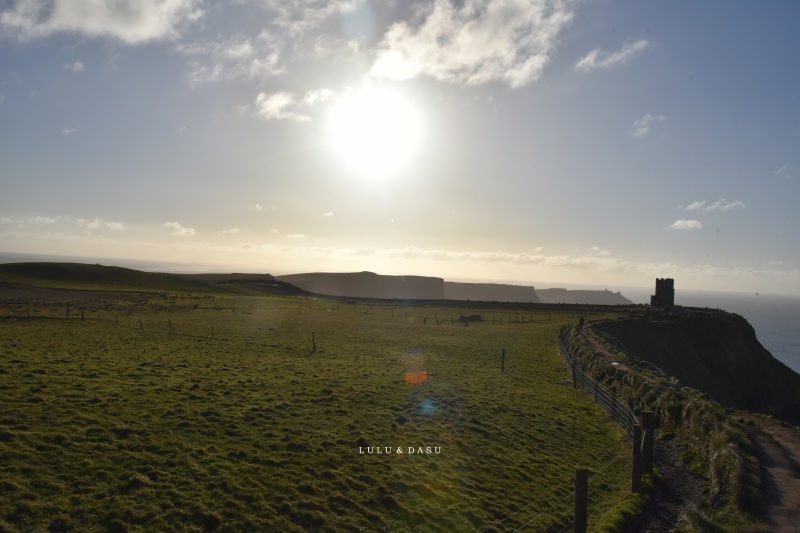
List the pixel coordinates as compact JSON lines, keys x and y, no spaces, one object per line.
{"x":105,"y":426}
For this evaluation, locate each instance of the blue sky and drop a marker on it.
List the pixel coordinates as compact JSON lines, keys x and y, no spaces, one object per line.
{"x":546,"y":142}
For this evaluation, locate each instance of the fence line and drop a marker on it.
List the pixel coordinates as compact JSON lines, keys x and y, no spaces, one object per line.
{"x":616,"y":407}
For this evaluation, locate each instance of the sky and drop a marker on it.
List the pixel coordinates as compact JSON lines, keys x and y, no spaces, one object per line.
{"x":546,"y":142}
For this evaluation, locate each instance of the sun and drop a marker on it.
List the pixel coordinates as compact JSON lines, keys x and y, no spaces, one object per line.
{"x":375,"y":131}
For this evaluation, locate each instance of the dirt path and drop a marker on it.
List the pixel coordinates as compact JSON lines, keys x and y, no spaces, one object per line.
{"x":778,"y":451}
{"x":677,"y":490}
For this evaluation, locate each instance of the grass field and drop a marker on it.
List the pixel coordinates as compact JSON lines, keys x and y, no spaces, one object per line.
{"x":107,"y":425}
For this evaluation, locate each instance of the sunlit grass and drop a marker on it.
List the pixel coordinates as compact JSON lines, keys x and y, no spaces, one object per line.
{"x":105,"y":425}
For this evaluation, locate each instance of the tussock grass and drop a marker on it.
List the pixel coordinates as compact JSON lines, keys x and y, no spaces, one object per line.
{"x":713,"y":445}
{"x":107,"y":426}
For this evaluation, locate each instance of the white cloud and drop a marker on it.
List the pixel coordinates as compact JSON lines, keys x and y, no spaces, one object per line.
{"x":328,"y":214}
{"x":298,"y":17}
{"x":296,"y":236}
{"x":775,"y":262}
{"x":233,"y":58}
{"x":38,"y":219}
{"x":787,"y":171}
{"x":255,"y":207}
{"x":178,"y":230}
{"x":77,"y":66}
{"x":278,"y":106}
{"x":131,"y":21}
{"x":598,"y":58}
{"x":641,"y":127}
{"x":317,"y":95}
{"x":686,"y":225}
{"x":98,"y":223}
{"x":596,"y":250}
{"x":719,"y":205}
{"x":64,"y":222}
{"x":284,"y":105}
{"x":475,"y":42}
{"x":230,"y":231}
{"x":68,"y":131}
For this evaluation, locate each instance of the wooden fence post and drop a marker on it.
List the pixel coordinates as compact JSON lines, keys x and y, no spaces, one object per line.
{"x":313,"y":342}
{"x":581,"y":499}
{"x":636,"y":463}
{"x":503,"y":361}
{"x":574,"y":381}
{"x":648,"y":441}
{"x":141,"y":326}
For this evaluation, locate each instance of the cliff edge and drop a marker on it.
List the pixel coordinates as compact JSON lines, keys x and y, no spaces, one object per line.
{"x":717,"y":353}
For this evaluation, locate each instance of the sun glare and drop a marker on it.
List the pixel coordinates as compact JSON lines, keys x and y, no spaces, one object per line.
{"x":374,"y":131}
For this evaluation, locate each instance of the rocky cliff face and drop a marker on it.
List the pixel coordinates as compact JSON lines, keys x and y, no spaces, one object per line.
{"x":718,"y":354}
{"x":564,"y":296}
{"x":369,"y":285}
{"x":489,"y":292}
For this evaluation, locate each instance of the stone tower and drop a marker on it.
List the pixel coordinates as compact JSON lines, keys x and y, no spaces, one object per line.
{"x":665,"y":293}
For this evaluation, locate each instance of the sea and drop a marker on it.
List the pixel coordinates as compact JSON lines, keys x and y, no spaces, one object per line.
{"x":775,"y":317}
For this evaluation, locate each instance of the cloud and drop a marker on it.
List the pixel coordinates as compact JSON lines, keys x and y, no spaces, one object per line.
{"x":68,"y":131}
{"x":596,"y":250}
{"x":775,"y":262}
{"x":328,"y":214}
{"x":598,"y":58}
{"x":38,"y":219}
{"x":686,"y":225}
{"x":475,"y":42}
{"x":233,"y":59}
{"x":76,"y":67}
{"x":64,"y":222}
{"x":317,"y":95}
{"x":278,"y":106}
{"x":230,"y":231}
{"x":642,"y":126}
{"x":98,"y":223}
{"x":284,"y":105}
{"x":719,"y":205}
{"x":130,"y":21}
{"x":787,"y":171}
{"x":296,"y":236}
{"x":178,"y":230}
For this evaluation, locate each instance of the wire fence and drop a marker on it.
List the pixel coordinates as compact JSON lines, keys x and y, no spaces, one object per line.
{"x":616,"y":407}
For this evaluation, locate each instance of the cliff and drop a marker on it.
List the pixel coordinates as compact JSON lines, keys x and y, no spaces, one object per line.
{"x":564,"y":296}
{"x":489,"y":292}
{"x":716,"y":353}
{"x":372,"y":285}
{"x":368,"y":285}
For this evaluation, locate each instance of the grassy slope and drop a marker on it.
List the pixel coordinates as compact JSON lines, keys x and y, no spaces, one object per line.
{"x":97,"y":277}
{"x":103,"y":425}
